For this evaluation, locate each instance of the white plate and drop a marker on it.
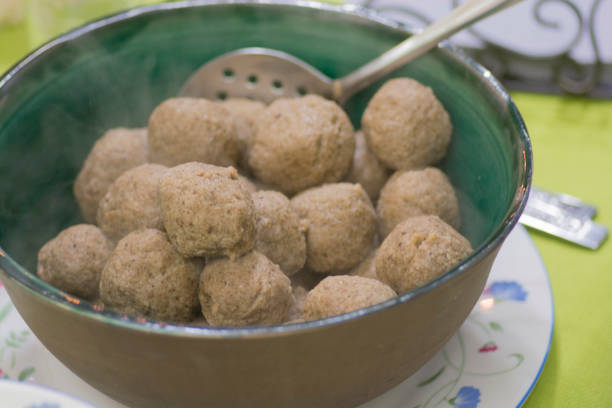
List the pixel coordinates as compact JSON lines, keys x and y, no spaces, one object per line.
{"x":23,"y":394}
{"x":494,"y":360}
{"x":497,"y":356}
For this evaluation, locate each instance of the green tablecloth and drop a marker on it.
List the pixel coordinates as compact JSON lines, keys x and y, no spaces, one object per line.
{"x":572,"y":142}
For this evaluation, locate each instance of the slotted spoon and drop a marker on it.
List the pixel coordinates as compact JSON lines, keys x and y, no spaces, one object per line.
{"x":265,"y":74}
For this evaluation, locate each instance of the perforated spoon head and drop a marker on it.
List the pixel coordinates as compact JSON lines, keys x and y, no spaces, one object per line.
{"x":265,"y":74}
{"x":256,"y":73}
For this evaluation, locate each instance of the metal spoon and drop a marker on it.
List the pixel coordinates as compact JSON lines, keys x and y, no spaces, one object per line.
{"x":265,"y":74}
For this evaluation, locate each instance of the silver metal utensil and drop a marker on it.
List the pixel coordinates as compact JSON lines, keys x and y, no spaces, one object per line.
{"x":563,"y":216}
{"x":265,"y":74}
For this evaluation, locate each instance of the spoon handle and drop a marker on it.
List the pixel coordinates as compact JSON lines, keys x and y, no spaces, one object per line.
{"x":459,"y":18}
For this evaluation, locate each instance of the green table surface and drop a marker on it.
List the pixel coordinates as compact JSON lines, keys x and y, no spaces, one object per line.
{"x":572,"y":144}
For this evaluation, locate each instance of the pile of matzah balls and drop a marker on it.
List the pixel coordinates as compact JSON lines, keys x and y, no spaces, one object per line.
{"x":234,"y":213}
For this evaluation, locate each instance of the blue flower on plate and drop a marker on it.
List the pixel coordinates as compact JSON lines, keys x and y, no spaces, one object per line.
{"x":467,"y":397}
{"x":506,"y":290}
{"x":44,"y":405}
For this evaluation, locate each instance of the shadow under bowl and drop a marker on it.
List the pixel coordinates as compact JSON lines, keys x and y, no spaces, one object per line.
{"x":57,"y":101}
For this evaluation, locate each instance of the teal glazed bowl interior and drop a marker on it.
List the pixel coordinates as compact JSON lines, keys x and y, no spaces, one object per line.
{"x":56,"y":102}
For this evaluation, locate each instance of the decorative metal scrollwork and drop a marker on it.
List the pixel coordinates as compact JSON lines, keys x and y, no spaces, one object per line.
{"x":556,"y":72}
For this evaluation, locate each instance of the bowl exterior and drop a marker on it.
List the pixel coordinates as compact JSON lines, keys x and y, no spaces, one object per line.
{"x":337,"y":362}
{"x":340,"y":365}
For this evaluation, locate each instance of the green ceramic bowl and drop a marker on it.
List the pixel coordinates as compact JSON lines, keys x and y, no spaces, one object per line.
{"x":56,"y":102}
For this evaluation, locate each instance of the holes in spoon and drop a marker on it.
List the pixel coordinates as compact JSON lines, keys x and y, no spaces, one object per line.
{"x":228,"y":73}
{"x":277,"y":87}
{"x":251,"y":81}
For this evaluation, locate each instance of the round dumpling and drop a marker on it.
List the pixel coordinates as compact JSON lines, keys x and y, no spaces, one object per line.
{"x":337,"y":295}
{"x":207,"y":210}
{"x":419,"y":250}
{"x":183,"y":130}
{"x":146,"y":276}
{"x":341,"y":226}
{"x":409,"y":193}
{"x":114,"y":153}
{"x":301,"y":143}
{"x":406,"y":126}
{"x":74,"y":259}
{"x":250,"y":290}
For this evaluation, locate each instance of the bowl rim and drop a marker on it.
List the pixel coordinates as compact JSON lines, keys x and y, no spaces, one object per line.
{"x":89,"y":310}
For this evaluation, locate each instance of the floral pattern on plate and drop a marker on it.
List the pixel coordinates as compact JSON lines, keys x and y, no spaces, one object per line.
{"x":493,"y":360}
{"x":501,"y":347}
{"x":26,"y":394}
{"x":13,"y":337}
{"x":468,"y":396}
